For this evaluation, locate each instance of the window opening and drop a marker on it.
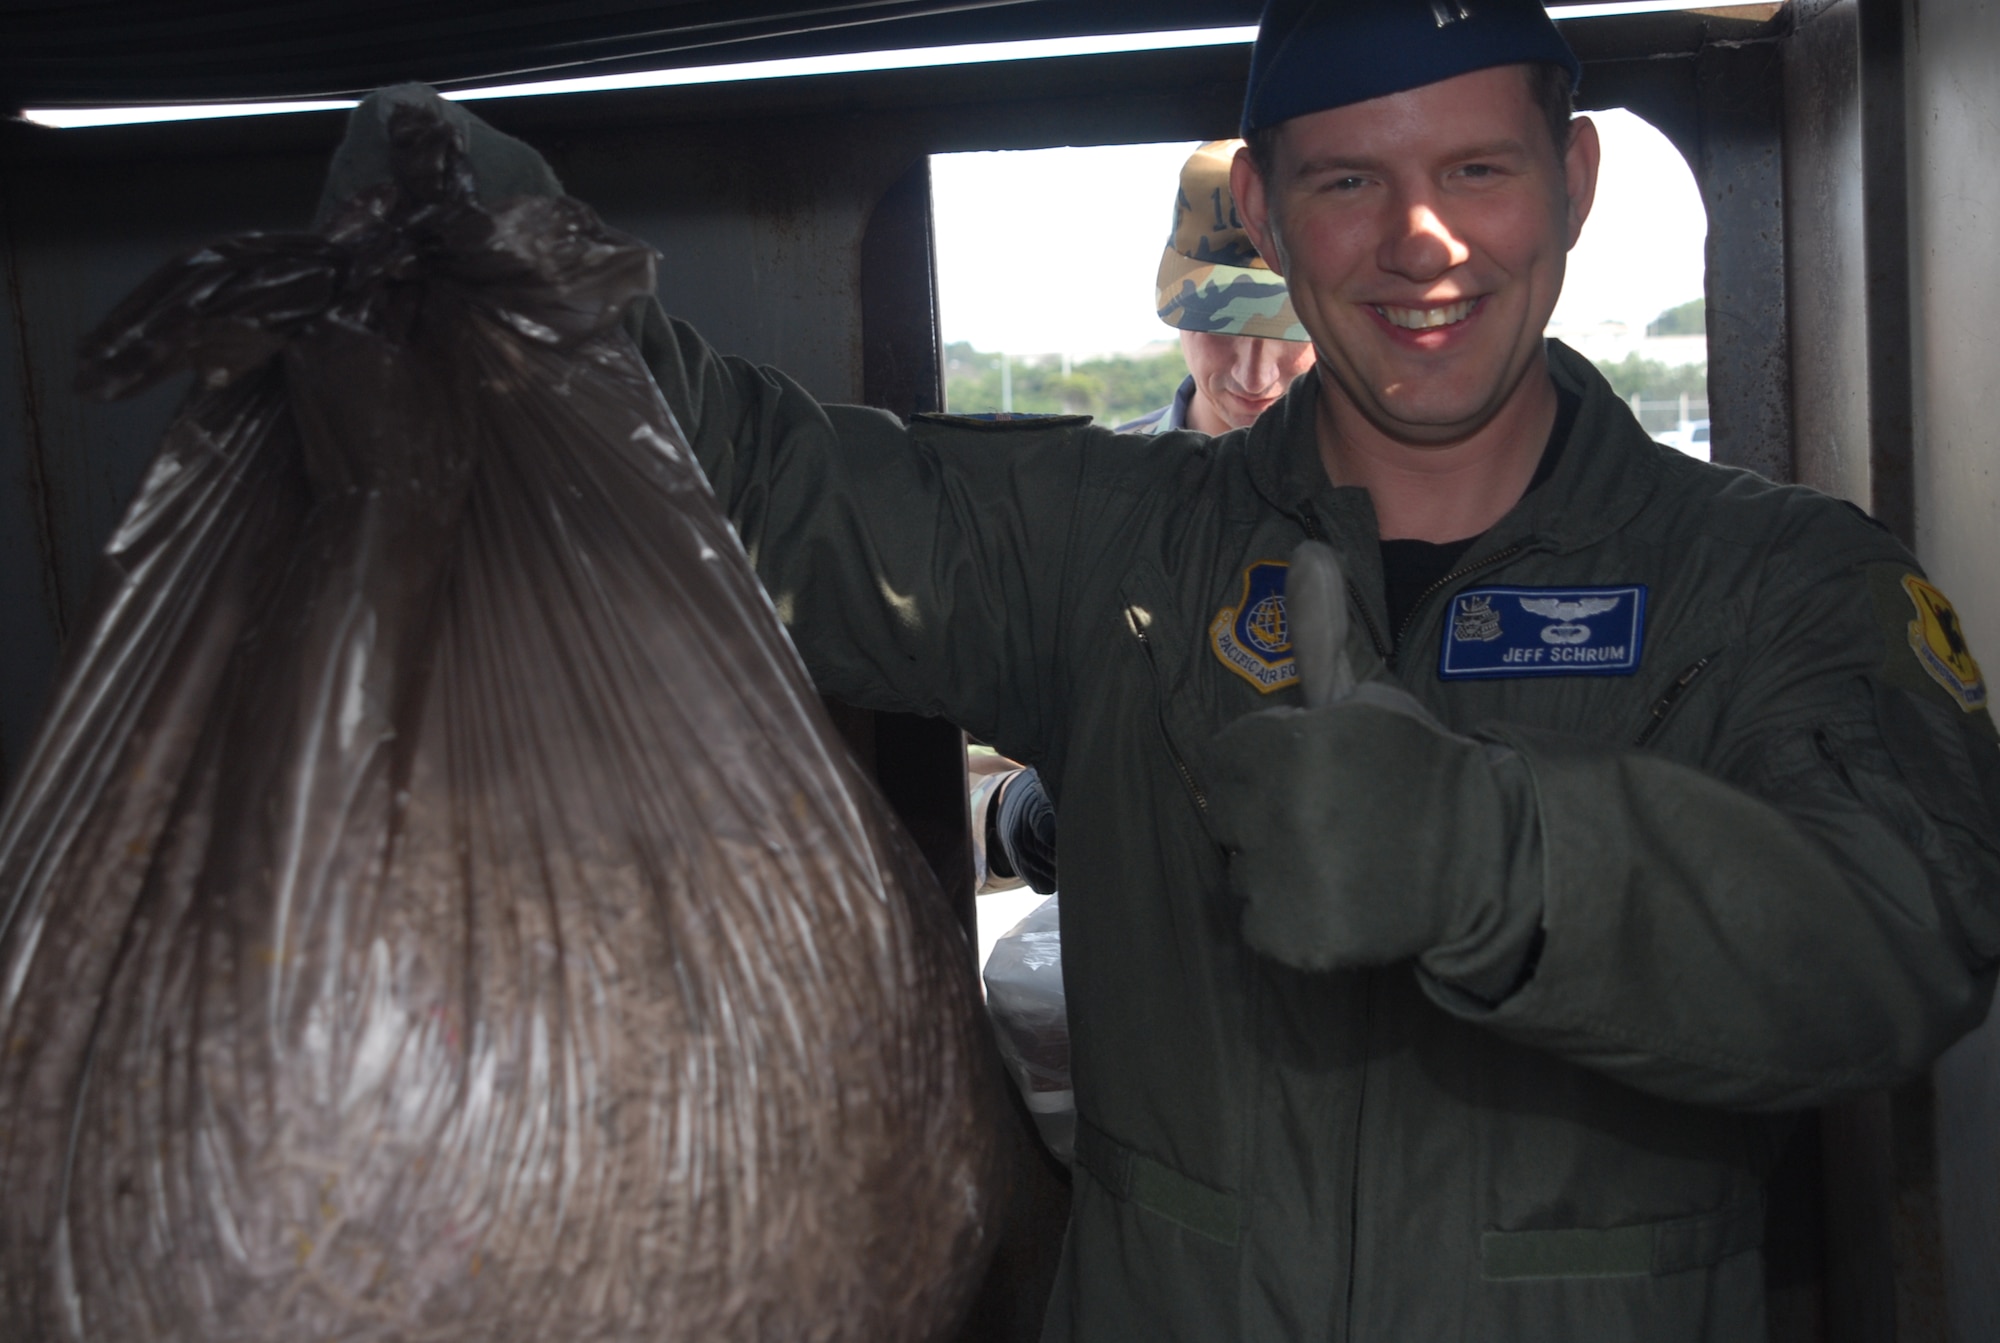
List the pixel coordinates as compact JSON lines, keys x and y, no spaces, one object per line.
{"x":1632,"y":298}
{"x":1047,"y":260}
{"x":1046,"y":263}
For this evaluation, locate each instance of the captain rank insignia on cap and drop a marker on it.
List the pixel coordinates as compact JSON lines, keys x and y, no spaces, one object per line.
{"x":1253,"y":638}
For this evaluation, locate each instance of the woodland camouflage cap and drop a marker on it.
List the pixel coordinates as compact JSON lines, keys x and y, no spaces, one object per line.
{"x":1211,"y":278}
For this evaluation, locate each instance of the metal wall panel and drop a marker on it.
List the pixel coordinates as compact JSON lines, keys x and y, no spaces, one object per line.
{"x":76,"y":240}
{"x":1823,"y":223}
{"x":1953,"y":79}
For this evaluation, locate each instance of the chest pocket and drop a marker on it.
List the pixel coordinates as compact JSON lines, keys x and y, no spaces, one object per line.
{"x":1667,"y":703}
{"x":1196,"y":691}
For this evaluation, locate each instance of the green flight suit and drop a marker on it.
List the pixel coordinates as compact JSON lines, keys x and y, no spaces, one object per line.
{"x":1767,"y":859}
{"x":1390,"y":1155}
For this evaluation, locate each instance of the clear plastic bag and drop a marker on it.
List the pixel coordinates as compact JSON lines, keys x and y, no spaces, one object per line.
{"x":1024,"y":996}
{"x":436,"y":906}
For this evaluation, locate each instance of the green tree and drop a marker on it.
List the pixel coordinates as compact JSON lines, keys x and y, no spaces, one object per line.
{"x":1653,"y":381}
{"x":1689,"y":319}
{"x":1111,"y":390}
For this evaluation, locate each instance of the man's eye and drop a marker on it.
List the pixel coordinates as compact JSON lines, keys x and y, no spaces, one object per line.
{"x":1477,"y":170}
{"x":1348,"y":183}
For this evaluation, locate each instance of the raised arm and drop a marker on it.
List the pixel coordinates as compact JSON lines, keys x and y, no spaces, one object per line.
{"x":919,"y":568}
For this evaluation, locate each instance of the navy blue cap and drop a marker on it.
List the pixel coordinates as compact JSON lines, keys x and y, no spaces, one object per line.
{"x":1315,"y":54}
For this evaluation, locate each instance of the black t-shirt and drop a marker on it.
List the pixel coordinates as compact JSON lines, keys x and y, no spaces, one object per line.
{"x":1411,"y":568}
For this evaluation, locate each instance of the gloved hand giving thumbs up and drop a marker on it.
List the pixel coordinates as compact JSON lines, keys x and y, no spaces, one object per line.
{"x":1363,"y":832}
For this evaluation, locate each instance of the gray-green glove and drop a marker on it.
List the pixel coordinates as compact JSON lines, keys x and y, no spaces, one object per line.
{"x":1363,"y":832}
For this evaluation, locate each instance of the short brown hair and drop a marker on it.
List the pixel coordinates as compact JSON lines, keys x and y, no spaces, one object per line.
{"x":1548,"y":84}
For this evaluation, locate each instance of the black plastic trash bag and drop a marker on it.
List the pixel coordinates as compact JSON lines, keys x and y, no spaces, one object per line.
{"x":436,"y":907}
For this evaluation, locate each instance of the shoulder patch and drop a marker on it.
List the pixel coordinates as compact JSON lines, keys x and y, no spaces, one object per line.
{"x":1498,"y":632}
{"x":1253,"y":638}
{"x":1923,"y":644}
{"x":1936,"y":641}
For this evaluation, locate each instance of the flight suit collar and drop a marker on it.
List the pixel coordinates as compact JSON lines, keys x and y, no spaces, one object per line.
{"x":1607,"y":471}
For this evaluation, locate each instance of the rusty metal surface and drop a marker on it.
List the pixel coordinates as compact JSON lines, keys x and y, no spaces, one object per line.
{"x":1740,"y":168}
{"x":1825,"y":256}
{"x":1848,"y":273}
{"x":1847,"y":255}
{"x":1886,"y":267}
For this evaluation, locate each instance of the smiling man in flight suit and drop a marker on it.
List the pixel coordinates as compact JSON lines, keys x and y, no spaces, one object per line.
{"x":1471,"y":1007}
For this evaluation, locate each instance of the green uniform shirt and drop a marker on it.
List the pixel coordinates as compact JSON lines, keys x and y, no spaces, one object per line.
{"x":1767,"y":856}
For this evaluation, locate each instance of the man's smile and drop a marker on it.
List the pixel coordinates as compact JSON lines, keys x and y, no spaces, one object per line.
{"x":1426,"y":318}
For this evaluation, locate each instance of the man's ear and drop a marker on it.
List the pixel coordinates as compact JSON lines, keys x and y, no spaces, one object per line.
{"x":1580,"y":173}
{"x":1253,"y":207}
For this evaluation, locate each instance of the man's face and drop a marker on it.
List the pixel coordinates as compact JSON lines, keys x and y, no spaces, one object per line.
{"x":1423,"y":237}
{"x":1239,"y":377}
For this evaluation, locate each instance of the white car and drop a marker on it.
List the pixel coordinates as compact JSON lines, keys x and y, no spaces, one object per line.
{"x":1689,"y":436}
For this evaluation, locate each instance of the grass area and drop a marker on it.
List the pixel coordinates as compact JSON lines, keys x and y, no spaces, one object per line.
{"x":1689,"y":319}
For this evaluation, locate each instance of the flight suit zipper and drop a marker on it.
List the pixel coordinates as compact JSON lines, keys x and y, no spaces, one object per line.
{"x":1665,"y":704}
{"x":1135,"y":619}
{"x":1310,"y":522}
{"x":1354,"y":1169}
{"x":1387,"y":651}
{"x":1499,"y":556}
{"x":1388,"y":655}
{"x":1368,"y":623}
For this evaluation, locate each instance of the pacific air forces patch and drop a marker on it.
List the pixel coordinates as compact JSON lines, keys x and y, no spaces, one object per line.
{"x":1253,"y":638}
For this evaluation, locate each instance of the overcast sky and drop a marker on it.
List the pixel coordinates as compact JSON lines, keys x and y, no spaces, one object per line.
{"x":1056,"y":249}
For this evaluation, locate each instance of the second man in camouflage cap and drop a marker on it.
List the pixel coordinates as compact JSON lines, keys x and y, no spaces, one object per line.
{"x":1242,"y":341}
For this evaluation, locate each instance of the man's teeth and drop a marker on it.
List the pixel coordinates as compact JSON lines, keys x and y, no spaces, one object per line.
{"x":1422,"y":319}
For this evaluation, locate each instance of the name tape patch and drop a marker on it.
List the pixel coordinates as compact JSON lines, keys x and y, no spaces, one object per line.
{"x":1253,"y":637}
{"x":1544,"y":632}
